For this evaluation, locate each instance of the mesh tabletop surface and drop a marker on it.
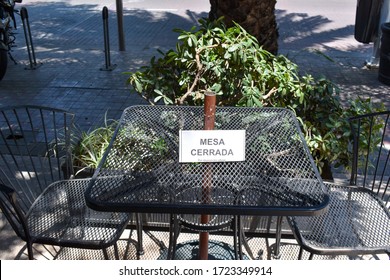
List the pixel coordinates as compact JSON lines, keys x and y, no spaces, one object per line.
{"x":141,"y":172}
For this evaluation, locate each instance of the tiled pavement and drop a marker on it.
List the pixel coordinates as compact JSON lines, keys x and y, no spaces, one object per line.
{"x":68,"y":41}
{"x":69,"y":50}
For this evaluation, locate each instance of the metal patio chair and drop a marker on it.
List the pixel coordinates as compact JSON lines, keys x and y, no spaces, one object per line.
{"x":40,"y":202}
{"x":358,"y":219}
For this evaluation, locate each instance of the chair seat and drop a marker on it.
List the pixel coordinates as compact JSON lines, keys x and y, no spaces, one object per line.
{"x":357,"y":222}
{"x":60,"y":217}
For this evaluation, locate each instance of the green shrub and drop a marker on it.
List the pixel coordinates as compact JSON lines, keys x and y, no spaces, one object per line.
{"x":88,"y":147}
{"x":230,"y":62}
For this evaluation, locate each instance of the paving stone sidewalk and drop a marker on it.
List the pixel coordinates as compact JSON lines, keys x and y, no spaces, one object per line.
{"x":69,"y":47}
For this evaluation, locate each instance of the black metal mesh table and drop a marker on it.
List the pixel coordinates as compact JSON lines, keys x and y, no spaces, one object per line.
{"x":278,"y":176}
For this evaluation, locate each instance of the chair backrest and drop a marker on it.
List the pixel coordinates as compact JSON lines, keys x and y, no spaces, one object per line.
{"x":34,"y":152}
{"x":371,"y":151}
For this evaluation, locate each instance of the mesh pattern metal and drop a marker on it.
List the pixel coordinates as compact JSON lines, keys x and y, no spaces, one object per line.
{"x":355,"y":221}
{"x":145,"y":174}
{"x":34,"y":149}
{"x":127,"y":250}
{"x":35,"y":156}
{"x":358,"y":219}
{"x":60,"y":216}
{"x":371,"y":150}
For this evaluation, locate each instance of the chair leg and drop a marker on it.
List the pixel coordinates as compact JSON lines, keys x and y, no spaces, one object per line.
{"x":174,"y":231}
{"x":116,"y":251}
{"x":239,"y":238}
{"x":140,"y":248}
{"x":279,"y":220}
{"x":105,"y":253}
{"x":269,"y":222}
{"x":170,"y":238}
{"x":236,"y":239}
{"x":30,"y":250}
{"x":300,"y":253}
{"x":244,"y":243}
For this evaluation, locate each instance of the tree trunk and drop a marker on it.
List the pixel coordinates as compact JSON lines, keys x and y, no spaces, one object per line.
{"x":257,"y":17}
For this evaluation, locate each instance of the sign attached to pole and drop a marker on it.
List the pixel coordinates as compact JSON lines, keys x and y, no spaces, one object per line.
{"x":211,"y":145}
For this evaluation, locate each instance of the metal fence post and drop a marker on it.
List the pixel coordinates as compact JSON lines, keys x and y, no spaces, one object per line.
{"x":28,"y":37}
{"x":108,"y":66}
{"x":119,"y":15}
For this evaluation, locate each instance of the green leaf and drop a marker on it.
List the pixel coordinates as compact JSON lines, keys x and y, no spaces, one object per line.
{"x":257,"y":102}
{"x":157,"y":98}
{"x":138,"y":85}
{"x":233,"y":48}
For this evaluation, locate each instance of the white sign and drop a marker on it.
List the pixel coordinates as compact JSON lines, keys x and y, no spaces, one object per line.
{"x":211,"y":145}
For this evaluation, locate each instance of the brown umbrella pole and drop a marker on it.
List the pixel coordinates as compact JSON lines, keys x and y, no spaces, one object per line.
{"x":209,"y":121}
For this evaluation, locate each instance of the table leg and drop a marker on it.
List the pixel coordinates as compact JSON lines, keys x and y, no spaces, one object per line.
{"x":278,"y":237}
{"x":203,"y":245}
{"x":209,"y":124}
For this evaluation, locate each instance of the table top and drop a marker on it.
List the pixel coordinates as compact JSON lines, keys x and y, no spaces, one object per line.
{"x":141,"y":172}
